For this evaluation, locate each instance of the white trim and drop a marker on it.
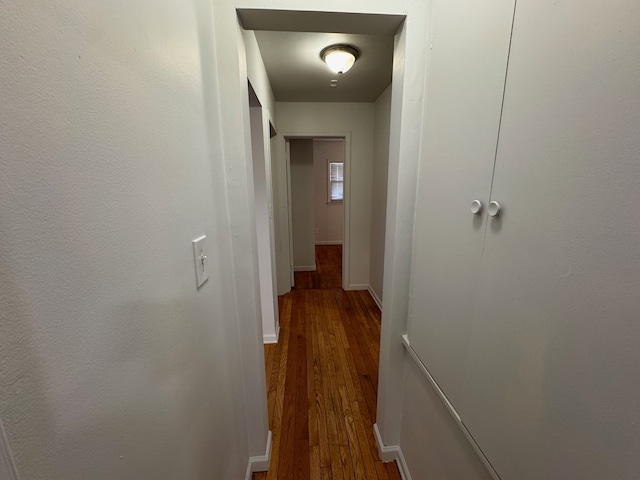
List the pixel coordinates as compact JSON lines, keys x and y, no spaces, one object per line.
{"x":346,"y":251}
{"x":454,"y":413}
{"x":261,"y":462}
{"x":272,"y":337}
{"x":328,"y":242}
{"x":402,"y":466}
{"x":287,"y":168}
{"x":386,"y":453}
{"x":391,"y":454}
{"x":357,"y":286}
{"x":337,"y":136}
{"x":8,"y":469}
{"x":305,"y":268}
{"x":346,"y":136}
{"x":375,"y":297}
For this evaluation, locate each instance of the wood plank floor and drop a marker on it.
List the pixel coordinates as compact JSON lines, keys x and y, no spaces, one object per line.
{"x":328,"y":272}
{"x":322,"y":380}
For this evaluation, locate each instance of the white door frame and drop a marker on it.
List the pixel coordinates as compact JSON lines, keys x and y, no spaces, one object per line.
{"x":287,"y":149}
{"x":346,"y":136}
{"x":263,"y":197}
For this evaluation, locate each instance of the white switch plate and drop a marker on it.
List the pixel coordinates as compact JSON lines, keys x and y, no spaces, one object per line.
{"x":200,"y":259}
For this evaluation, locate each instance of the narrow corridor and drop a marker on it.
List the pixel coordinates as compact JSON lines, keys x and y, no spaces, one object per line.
{"x":322,"y":380}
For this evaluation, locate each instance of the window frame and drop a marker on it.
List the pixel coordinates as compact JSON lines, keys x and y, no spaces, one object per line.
{"x":330,"y":182}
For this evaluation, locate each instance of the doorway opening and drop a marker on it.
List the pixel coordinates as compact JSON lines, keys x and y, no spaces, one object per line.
{"x":330,"y":339}
{"x":318,"y":186}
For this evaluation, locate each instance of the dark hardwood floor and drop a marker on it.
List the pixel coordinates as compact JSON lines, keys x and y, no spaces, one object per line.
{"x":322,"y":380}
{"x":328,"y":272}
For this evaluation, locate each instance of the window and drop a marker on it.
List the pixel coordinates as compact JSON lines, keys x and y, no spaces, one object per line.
{"x":336,"y":182}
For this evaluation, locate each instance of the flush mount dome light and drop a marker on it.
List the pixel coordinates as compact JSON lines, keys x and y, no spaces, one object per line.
{"x":340,"y":58}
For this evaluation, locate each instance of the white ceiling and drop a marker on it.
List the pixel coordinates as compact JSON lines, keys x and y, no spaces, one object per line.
{"x":298,"y":74}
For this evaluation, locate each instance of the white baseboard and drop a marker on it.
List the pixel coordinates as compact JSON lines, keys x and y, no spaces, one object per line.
{"x":261,"y":462}
{"x":375,"y":297}
{"x":271,"y":337}
{"x":357,"y":286}
{"x":403,"y":467}
{"x":305,"y":268}
{"x":328,"y":242}
{"x":391,"y":454}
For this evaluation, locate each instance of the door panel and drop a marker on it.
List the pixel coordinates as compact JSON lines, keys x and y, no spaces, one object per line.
{"x":467,"y":68}
{"x":552,"y":389}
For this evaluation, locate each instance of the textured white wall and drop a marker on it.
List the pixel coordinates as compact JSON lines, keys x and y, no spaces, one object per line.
{"x":112,"y":364}
{"x":302,"y":205}
{"x":329,"y":217}
{"x":382,"y":118}
{"x":332,"y":118}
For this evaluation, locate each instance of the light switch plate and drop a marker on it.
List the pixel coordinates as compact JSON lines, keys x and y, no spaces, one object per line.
{"x":200,"y":260}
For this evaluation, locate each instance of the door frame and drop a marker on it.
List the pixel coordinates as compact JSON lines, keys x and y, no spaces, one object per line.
{"x":346,"y":136}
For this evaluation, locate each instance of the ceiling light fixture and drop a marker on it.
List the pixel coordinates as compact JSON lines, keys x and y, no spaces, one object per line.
{"x":340,"y":58}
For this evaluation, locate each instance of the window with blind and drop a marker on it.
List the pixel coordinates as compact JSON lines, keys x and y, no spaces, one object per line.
{"x":336,"y":182}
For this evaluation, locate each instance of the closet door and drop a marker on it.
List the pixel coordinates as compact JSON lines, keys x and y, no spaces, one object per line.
{"x":553,"y":386}
{"x":467,"y":65}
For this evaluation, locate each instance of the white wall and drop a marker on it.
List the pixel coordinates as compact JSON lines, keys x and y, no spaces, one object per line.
{"x":113,"y":364}
{"x":382,"y":119}
{"x":432,"y":444}
{"x":331,"y":119}
{"x":280,"y":220}
{"x":302,"y":205}
{"x":257,"y":74}
{"x":264,"y":222}
{"x":329,"y":217}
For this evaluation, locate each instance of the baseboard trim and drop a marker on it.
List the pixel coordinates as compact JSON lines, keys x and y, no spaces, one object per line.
{"x":375,"y":297}
{"x":328,"y":242}
{"x":305,"y":268}
{"x":261,"y":462}
{"x":357,"y":286}
{"x":403,"y":467}
{"x":271,"y":337}
{"x":391,"y":454}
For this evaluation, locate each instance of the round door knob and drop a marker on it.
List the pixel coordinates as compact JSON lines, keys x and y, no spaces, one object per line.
{"x":494,"y":208}
{"x":476,"y":207}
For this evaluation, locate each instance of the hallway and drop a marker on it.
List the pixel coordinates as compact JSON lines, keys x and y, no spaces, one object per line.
{"x":322,"y":380}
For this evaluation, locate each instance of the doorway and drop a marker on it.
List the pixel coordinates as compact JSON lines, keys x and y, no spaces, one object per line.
{"x":318,"y":201}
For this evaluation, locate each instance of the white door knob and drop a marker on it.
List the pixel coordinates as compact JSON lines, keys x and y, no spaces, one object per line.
{"x":494,"y":208}
{"x":476,"y":207}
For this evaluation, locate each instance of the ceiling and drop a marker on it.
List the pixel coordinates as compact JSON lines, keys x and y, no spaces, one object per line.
{"x":298,"y":74}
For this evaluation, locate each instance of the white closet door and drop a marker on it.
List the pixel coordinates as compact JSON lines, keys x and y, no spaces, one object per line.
{"x":467,"y":67}
{"x":553,"y":388}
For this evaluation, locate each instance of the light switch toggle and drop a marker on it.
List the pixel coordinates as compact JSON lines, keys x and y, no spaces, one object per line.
{"x":200,"y":257}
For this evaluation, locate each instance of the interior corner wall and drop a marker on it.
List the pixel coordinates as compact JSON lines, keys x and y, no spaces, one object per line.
{"x":382,"y":119}
{"x":257,"y":74}
{"x":302,"y":205}
{"x":329,"y":216}
{"x":331,"y":119}
{"x":113,"y":364}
